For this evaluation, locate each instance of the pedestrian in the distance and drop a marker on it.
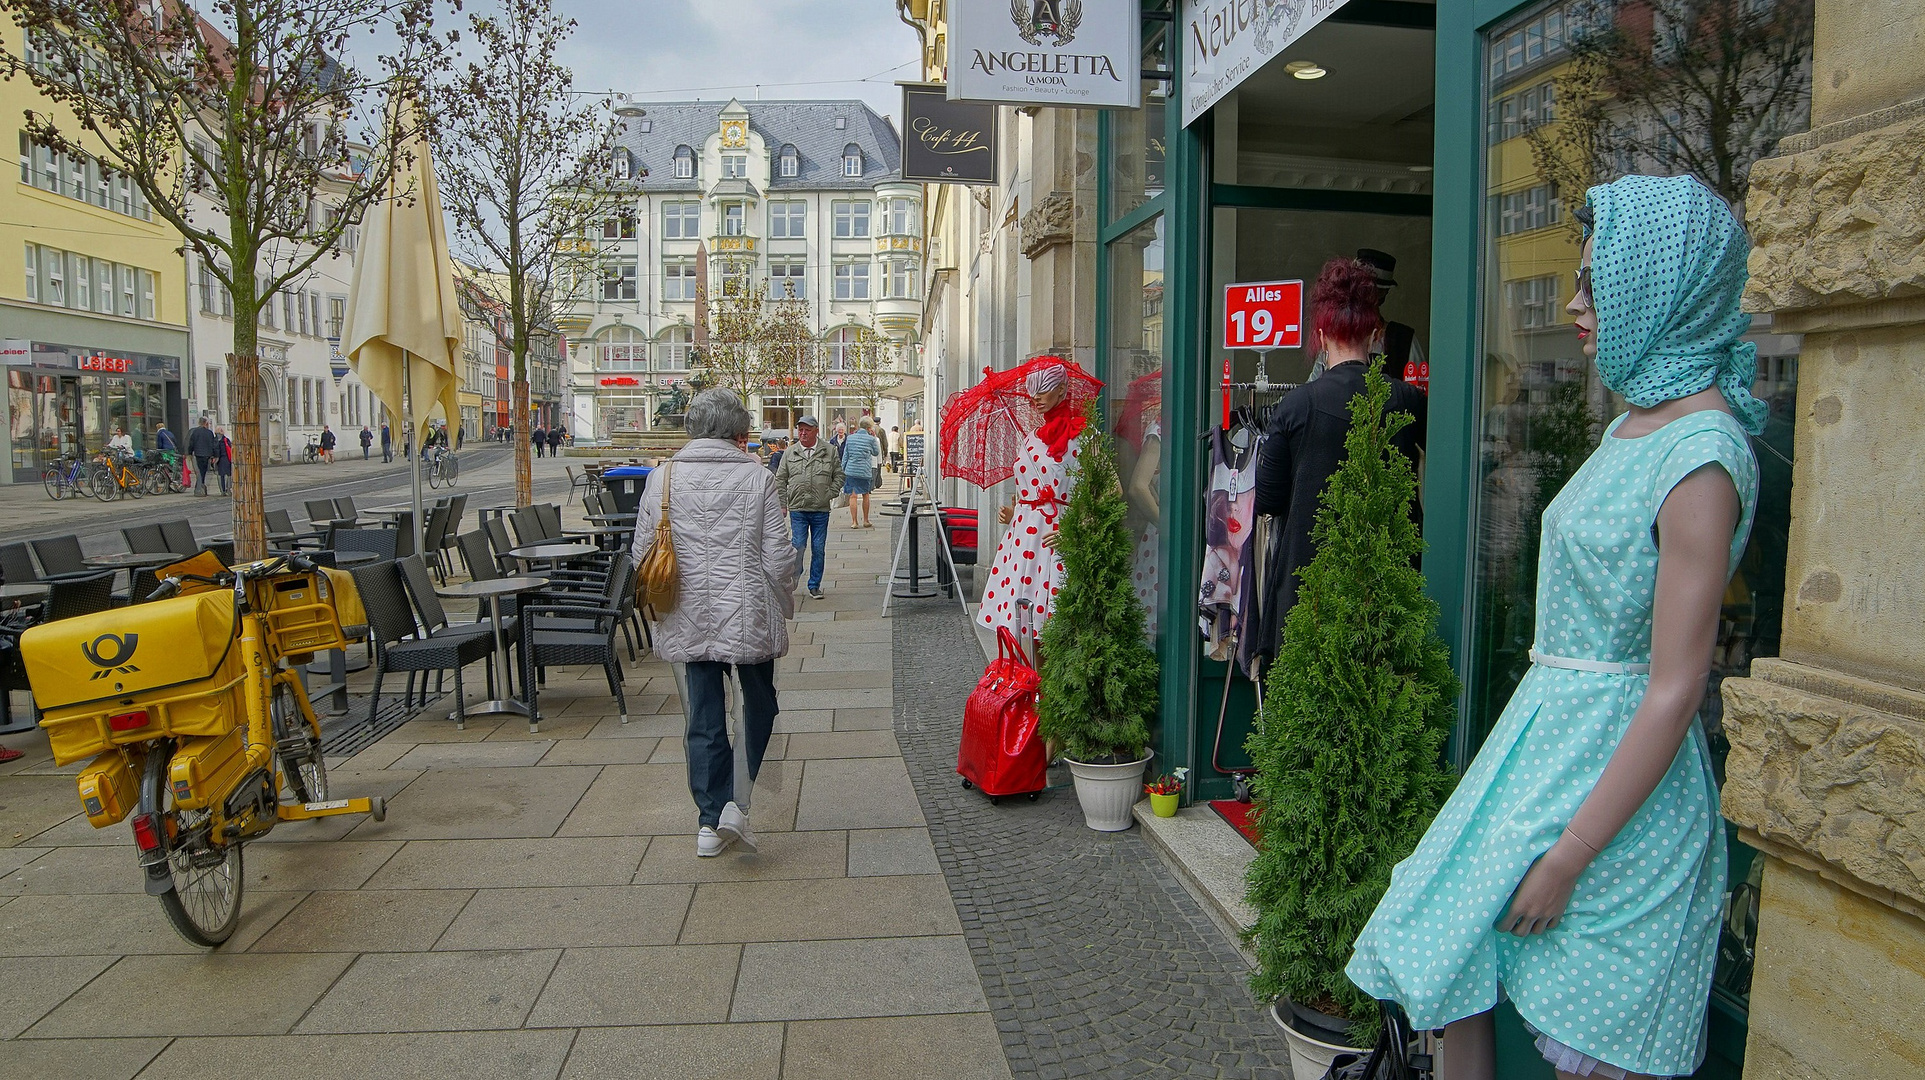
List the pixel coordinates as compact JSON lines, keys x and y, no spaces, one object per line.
{"x":894,"y":449}
{"x":367,"y":440}
{"x":554,"y":442}
{"x":327,"y":444}
{"x":539,"y":438}
{"x":859,"y":454}
{"x":808,"y":478}
{"x":201,"y":446}
{"x":164,"y":439}
{"x":387,"y":444}
{"x":737,"y":570}
{"x":223,"y":459}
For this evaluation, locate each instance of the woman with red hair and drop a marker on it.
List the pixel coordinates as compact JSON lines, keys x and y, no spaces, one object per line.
{"x":1304,"y":443}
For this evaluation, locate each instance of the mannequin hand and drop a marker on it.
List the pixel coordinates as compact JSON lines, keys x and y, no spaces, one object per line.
{"x":1539,"y":902}
{"x":1050,"y":540}
{"x":1002,"y":515}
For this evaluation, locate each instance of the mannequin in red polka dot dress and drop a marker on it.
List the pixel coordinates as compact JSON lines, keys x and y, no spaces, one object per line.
{"x":1021,"y":591}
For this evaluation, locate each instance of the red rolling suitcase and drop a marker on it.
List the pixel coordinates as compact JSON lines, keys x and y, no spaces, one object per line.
{"x":1001,"y":752}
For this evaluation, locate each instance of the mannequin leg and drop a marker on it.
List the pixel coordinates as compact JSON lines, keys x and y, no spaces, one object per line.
{"x":1470,"y":1049}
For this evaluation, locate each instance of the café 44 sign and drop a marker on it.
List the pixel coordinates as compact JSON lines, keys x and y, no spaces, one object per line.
{"x":1075,"y":53}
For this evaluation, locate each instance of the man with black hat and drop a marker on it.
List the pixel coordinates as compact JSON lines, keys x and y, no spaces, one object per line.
{"x":808,"y":479}
{"x":1404,"y":354}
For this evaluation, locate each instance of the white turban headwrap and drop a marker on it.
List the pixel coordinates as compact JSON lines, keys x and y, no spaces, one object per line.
{"x":1043,"y":380}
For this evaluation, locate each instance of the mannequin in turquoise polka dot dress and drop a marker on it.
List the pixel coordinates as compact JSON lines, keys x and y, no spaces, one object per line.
{"x":1579,"y":867}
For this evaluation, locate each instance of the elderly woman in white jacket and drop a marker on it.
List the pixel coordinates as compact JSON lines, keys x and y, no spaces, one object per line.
{"x":737,"y":570}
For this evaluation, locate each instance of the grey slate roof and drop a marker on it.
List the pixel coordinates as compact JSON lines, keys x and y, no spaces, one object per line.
{"x":809,"y":125}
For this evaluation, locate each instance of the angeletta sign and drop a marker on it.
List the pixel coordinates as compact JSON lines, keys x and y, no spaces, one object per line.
{"x":1223,"y":41}
{"x":1075,"y":53}
{"x":944,"y":141}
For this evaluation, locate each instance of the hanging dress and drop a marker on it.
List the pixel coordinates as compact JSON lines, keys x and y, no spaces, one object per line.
{"x":1021,"y":592}
{"x":1144,"y":576}
{"x":1623,"y":980}
{"x":1228,"y":516}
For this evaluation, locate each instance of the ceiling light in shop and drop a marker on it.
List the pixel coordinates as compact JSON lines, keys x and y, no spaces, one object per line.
{"x":1305,"y":69}
{"x":1420,"y":168}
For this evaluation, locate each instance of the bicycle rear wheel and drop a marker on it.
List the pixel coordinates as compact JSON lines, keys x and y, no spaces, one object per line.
{"x":138,"y":487}
{"x":453,"y":466}
{"x":204,"y":900}
{"x":55,"y":478}
{"x":105,"y":482}
{"x":303,"y":766}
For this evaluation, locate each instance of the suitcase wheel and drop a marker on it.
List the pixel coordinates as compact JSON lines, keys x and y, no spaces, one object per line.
{"x":995,"y":800}
{"x":966,"y":784}
{"x":1034,"y":795}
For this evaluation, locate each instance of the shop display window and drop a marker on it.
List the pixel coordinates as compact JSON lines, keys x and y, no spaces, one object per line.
{"x":1622,"y":105}
{"x":1133,"y":395}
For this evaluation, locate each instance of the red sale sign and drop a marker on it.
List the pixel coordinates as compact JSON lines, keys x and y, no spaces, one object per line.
{"x":1263,"y":315}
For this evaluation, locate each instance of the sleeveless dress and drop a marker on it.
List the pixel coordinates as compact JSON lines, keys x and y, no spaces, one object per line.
{"x":1023,"y":581}
{"x":1624,"y":979}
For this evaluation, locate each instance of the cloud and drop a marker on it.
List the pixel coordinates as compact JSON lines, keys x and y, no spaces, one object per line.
{"x":689,"y":49}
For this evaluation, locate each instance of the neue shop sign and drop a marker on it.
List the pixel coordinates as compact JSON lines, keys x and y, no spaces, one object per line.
{"x":1072,"y":53}
{"x":1225,"y":40}
{"x":944,"y":141}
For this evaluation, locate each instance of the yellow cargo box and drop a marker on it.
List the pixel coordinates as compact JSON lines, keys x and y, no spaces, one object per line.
{"x":164,"y":668}
{"x":202,"y":770}
{"x":108,"y":789}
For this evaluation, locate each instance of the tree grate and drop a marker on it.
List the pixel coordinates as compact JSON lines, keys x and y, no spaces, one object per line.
{"x":345,"y":736}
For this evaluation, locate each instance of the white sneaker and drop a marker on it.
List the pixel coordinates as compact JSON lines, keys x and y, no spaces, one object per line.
{"x":709,"y":843}
{"x":735,"y":827}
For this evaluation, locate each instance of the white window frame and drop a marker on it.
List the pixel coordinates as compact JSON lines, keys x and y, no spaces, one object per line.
{"x":678,"y":279}
{"x":784,"y":270}
{"x":852,"y":280}
{"x":33,"y":272}
{"x":735,"y":219}
{"x":735,"y":166}
{"x":848,"y":215}
{"x":681,"y":220}
{"x":789,"y":163}
{"x":684,"y":163}
{"x":788,"y":219}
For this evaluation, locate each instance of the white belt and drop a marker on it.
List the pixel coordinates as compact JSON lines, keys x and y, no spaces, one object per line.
{"x":1601,"y":667}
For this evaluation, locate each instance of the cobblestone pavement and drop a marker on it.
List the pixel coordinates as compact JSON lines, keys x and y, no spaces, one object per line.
{"x":1094,"y":960}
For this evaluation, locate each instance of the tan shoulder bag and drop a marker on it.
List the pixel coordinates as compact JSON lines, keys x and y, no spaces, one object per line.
{"x":656,"y":579}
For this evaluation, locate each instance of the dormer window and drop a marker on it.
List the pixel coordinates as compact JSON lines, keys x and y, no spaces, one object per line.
{"x":618,"y":162}
{"x":852,"y":160}
{"x":790,"y":163}
{"x":684,"y":163}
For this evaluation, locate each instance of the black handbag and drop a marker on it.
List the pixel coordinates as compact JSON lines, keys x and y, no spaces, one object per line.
{"x":1392,"y":1057}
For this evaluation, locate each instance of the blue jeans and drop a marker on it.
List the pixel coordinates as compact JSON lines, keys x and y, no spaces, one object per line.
{"x":804,"y":524}
{"x":711,"y":762}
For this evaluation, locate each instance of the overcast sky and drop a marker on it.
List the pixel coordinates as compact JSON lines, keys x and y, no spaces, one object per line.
{"x":688,"y":49}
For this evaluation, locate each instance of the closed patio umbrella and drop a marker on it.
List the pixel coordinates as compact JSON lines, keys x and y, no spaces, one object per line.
{"x":404,"y":320}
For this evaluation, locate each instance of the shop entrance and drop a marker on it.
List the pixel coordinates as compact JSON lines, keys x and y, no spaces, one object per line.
{"x":1304,"y":170}
{"x":53,"y":416}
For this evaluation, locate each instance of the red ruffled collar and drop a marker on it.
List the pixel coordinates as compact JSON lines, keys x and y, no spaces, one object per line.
{"x":1060,"y":425}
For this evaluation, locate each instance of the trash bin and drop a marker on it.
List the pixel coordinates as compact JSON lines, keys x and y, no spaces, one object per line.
{"x":625,"y":483}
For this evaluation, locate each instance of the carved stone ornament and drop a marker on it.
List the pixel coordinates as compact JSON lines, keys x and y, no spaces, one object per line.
{"x":1049,"y":224}
{"x":1827,"y":771}
{"x":1839,"y":218}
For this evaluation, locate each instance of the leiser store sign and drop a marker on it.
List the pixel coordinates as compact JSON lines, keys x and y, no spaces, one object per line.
{"x":1224,"y":41}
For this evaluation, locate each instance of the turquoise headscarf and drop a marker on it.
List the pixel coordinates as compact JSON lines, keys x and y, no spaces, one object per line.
{"x":1667,"y":271}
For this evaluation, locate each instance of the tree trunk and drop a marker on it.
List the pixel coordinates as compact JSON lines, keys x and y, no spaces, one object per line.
{"x":250,"y":525}
{"x":524,"y":476}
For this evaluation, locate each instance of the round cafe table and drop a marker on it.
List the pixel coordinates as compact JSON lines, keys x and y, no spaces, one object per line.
{"x":131,"y":560}
{"x":552,"y":553}
{"x":492,"y":591}
{"x":25,"y":592}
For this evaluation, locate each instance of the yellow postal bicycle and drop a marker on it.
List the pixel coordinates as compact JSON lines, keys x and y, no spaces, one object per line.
{"x":195,"y":721}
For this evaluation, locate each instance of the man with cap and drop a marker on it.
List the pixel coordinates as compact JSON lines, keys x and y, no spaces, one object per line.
{"x":1403,"y":353}
{"x":808,"y":480}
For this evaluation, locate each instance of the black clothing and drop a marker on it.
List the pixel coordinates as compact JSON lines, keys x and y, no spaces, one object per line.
{"x":200,"y":442}
{"x":1303,"y":448}
{"x":1397,"y":341}
{"x":327,"y":440}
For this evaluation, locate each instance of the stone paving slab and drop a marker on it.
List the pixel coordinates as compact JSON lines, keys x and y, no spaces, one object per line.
{"x":420,"y":1055}
{"x":873,"y":1049}
{"x":820,"y":908}
{"x":883,"y":852}
{"x":501,"y":864}
{"x":820,"y":980}
{"x":673,"y":984}
{"x":686,"y":1052}
{"x":449,"y":991}
{"x":31,"y":987}
{"x":781,"y":855}
{"x":367,"y":920}
{"x":453,"y":804}
{"x":570,"y":917}
{"x":221,"y":994}
{"x":95,"y":1059}
{"x":857,"y":793}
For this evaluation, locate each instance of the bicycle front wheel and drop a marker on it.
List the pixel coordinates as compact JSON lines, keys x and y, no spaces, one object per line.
{"x":451,"y":468}
{"x":55,"y":478}
{"x":203,"y":901}
{"x":303,"y":766}
{"x":135,"y":481}
{"x":106,"y":483}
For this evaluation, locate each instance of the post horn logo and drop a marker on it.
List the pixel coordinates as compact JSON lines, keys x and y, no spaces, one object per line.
{"x":122,"y":648}
{"x":1056,"y":18}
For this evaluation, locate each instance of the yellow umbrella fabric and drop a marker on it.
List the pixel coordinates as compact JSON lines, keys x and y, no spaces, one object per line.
{"x":402,"y":306}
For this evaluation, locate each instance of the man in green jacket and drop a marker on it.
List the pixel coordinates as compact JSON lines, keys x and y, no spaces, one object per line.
{"x":809,"y":479}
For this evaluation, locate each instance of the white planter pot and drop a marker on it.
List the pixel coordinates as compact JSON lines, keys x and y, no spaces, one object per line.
{"x":1107,"y":792}
{"x":1309,"y":1059}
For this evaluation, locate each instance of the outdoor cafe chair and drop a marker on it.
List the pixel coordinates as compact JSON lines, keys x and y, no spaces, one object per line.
{"x":145,"y":539}
{"x":80,"y":594}
{"x":401,"y":646}
{"x":282,"y":533}
{"x":376,"y":541}
{"x":179,"y":536}
{"x":558,"y":632}
{"x":457,"y":505}
{"x":431,"y":542}
{"x":528,"y":527}
{"x":550,"y":517}
{"x":59,"y":555}
{"x":498,"y":540}
{"x":16,"y":565}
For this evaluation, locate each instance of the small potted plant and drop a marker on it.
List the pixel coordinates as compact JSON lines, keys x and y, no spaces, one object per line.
{"x":1099,"y":673}
{"x":1165,"y":791}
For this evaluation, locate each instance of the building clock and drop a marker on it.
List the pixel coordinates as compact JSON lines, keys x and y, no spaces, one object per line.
{"x":735,"y":133}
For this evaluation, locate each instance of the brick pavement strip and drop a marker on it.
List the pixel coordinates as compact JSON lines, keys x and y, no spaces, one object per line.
{"x":1094,"y":959}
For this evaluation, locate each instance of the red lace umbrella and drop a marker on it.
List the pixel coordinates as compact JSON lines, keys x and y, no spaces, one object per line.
{"x":984,"y":426}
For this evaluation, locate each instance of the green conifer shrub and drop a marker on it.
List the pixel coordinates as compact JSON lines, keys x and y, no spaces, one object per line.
{"x":1349,"y":750}
{"x":1099,"y":673}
